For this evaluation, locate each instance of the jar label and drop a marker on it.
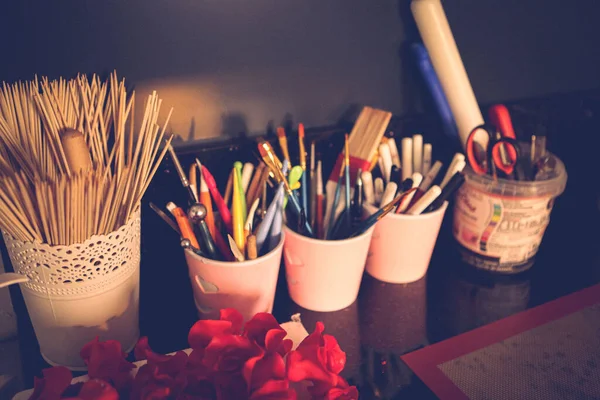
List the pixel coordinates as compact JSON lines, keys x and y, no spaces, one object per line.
{"x":503,"y":227}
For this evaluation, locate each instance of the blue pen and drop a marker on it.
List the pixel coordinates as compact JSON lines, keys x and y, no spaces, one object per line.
{"x":436,"y":91}
{"x":265,"y":225}
{"x":275,"y":234}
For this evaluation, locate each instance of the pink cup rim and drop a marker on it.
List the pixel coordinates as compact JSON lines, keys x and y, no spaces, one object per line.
{"x":428,"y":215}
{"x":238,"y":264}
{"x":342,"y":242}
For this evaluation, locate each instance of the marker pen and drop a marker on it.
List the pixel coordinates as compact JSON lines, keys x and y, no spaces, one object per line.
{"x":452,"y":168}
{"x":378,"y":190}
{"x":394,"y":152}
{"x":407,"y":162}
{"x":367,"y":180}
{"x":425,"y":201}
{"x":431,"y":175}
{"x":389,"y":193}
{"x":455,"y":182}
{"x":427,"y":154}
{"x":386,"y":158}
{"x":417,"y":153}
{"x":417,"y":178}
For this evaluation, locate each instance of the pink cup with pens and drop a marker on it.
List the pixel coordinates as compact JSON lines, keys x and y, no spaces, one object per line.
{"x":324,"y":275}
{"x":402,"y":245}
{"x":248,"y":286}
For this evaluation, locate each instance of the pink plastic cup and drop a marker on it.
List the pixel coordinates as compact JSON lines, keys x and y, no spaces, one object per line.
{"x":402,"y":245}
{"x":324,"y":275}
{"x":248,"y":286}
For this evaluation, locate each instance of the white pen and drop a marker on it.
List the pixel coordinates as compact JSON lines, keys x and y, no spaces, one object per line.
{"x":369,"y":191}
{"x":389,"y":193}
{"x":458,"y":157}
{"x":386,"y":157}
{"x":407,"y":162}
{"x":417,"y":153}
{"x":427,"y":157}
{"x":417,"y":178}
{"x":431,"y":175}
{"x":394,"y":152}
{"x":424,"y":202}
{"x":247,"y":171}
{"x":378,"y":190}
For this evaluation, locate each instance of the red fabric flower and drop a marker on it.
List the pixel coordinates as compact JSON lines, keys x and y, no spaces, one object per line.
{"x":171,"y":365}
{"x":229,"y":353}
{"x":224,"y":364}
{"x":106,"y":361}
{"x":349,"y":393}
{"x":96,"y":389}
{"x":265,"y":331}
{"x":274,"y":390}
{"x":52,"y":386}
{"x":202,"y":332}
{"x":318,"y":359}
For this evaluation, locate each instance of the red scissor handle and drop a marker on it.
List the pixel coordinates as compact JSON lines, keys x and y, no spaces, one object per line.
{"x":500,"y":118}
{"x":471,"y":148}
{"x":511,"y":145}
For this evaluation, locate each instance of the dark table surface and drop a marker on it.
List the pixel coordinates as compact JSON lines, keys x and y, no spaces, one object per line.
{"x":388,"y":320}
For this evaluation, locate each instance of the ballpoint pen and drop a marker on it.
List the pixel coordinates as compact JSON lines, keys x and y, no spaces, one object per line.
{"x":304,"y":185}
{"x":265,"y":225}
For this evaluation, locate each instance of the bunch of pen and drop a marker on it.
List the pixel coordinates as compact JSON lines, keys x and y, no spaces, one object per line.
{"x":239,"y":232}
{"x":409,"y":182}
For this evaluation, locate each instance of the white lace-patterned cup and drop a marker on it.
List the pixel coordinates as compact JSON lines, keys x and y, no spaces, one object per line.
{"x":81,"y":291}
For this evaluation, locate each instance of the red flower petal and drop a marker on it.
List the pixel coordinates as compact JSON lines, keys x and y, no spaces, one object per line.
{"x":274,"y":390}
{"x":55,"y":381}
{"x":259,"y":370}
{"x":139,"y":352}
{"x":336,"y":358}
{"x":170,"y":365}
{"x":106,"y":361}
{"x":349,"y":393}
{"x":96,"y":389}
{"x":256,"y":329}
{"x":235,"y":317}
{"x":318,"y":359}
{"x":275,"y":341}
{"x":202,"y":332}
{"x":305,"y":365}
{"x":229,"y":353}
{"x":315,"y":338}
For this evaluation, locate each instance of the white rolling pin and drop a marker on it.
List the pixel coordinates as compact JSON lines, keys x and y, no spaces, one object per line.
{"x":439,"y":41}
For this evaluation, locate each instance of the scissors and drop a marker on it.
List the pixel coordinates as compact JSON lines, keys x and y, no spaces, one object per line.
{"x":501,"y":153}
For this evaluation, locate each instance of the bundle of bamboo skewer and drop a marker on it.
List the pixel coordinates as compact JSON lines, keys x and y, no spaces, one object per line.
{"x":72,"y":164}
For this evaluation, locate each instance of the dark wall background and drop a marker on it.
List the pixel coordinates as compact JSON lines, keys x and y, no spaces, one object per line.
{"x":236,"y":65}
